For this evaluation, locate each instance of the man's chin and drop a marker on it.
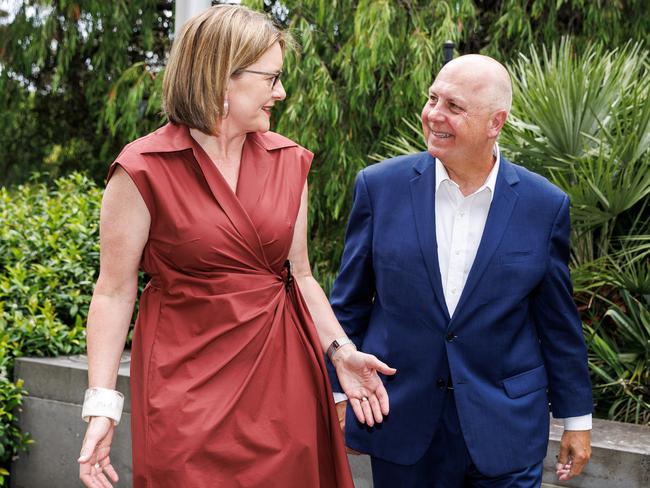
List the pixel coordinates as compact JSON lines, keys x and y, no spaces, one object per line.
{"x":435,"y":151}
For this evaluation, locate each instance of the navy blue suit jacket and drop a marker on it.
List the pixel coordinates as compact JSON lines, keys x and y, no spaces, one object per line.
{"x":515,"y":342}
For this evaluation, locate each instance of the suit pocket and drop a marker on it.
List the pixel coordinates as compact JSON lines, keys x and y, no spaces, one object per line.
{"x":515,"y":257}
{"x":527,"y":382}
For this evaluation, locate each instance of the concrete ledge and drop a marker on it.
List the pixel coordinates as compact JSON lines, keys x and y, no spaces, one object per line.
{"x":52,"y":414}
{"x":65,"y":378}
{"x":58,"y":432}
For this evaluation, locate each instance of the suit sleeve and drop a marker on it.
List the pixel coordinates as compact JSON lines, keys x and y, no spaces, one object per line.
{"x":560,"y":329}
{"x":354,"y":288}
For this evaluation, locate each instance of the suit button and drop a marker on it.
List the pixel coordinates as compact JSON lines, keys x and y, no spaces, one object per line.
{"x":451,"y":337}
{"x":441,"y":383}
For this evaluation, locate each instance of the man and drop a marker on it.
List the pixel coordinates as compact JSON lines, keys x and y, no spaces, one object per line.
{"x":455,"y":273}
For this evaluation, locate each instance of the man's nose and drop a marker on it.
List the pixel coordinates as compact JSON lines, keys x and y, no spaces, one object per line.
{"x":434,"y":114}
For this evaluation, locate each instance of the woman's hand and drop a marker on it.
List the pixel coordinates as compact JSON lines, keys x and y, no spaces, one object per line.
{"x":357,"y":373}
{"x":94,"y":462}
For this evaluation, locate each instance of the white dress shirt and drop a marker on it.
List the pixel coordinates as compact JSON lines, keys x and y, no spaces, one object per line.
{"x":460,"y":221}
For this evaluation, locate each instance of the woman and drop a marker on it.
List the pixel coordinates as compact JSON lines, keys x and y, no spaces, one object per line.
{"x":228,"y":382}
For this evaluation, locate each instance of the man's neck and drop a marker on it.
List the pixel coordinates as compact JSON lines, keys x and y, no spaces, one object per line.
{"x":470,"y":176}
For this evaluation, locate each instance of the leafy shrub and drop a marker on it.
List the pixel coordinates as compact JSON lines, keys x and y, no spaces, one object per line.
{"x":49,"y":256}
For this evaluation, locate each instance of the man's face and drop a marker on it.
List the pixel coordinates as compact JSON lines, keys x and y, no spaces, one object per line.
{"x":455,"y":121}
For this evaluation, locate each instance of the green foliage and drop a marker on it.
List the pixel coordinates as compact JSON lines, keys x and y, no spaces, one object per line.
{"x":49,"y":257}
{"x":58,"y":63}
{"x":620,"y":360}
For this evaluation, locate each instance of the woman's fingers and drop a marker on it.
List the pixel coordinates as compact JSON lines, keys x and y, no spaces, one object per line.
{"x":380,"y":366}
{"x":382,"y":397}
{"x":86,"y":477}
{"x":109,"y":470}
{"x":367,"y":411}
{"x":376,"y":409}
{"x":87,"y":449}
{"x":94,"y":461}
{"x":358,"y":411}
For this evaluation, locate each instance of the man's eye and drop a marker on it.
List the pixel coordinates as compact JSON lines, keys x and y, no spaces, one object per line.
{"x":433,"y":99}
{"x":454,"y":107}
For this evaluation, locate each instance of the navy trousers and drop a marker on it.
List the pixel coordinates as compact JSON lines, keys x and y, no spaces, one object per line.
{"x":447,"y":464}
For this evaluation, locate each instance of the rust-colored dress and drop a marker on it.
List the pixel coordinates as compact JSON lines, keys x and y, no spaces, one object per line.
{"x":228,"y":383}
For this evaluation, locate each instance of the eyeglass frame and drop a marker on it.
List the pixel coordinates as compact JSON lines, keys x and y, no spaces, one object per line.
{"x":276,"y":75}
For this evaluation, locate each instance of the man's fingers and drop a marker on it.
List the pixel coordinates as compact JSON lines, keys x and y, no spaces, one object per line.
{"x":575,"y":451}
{"x":580,"y":460}
{"x":563,"y":457}
{"x":352,"y":451}
{"x":341,"y":408}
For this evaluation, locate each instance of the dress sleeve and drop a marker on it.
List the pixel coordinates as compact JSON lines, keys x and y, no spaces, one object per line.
{"x":135,"y":167}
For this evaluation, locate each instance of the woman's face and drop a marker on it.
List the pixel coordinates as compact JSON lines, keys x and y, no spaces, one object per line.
{"x":252,"y":95}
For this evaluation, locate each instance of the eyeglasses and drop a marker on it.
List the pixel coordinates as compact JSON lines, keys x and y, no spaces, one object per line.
{"x":276,"y":76}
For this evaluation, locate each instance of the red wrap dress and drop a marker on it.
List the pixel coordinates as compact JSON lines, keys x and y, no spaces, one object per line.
{"x":228,"y":382}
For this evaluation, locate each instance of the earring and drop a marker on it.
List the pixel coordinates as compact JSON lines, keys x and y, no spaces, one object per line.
{"x":226,"y":108}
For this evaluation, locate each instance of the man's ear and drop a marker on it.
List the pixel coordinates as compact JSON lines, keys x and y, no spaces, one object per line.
{"x":497,"y":121}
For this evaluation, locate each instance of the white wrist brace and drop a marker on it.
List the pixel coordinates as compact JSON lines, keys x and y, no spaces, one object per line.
{"x":102,"y":402}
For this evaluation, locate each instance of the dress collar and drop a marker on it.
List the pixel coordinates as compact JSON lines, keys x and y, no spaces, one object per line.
{"x":176,"y":137}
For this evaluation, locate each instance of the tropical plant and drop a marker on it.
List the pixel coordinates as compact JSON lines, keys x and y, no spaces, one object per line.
{"x":620,"y":360}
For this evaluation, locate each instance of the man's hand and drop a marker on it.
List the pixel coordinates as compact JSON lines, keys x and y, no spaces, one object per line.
{"x":341,"y":407}
{"x":575,"y":451}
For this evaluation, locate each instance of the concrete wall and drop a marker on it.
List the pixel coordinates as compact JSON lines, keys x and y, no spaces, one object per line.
{"x":52,"y":414}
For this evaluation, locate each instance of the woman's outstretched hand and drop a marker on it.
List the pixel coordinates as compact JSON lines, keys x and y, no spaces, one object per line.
{"x":95,"y":468}
{"x":358,"y":375}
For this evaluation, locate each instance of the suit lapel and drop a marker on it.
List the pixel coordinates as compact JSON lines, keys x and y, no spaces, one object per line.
{"x":498,"y":218}
{"x":423,"y":201}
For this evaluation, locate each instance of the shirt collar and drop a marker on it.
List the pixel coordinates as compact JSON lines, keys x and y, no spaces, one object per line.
{"x":490,"y":181}
{"x":176,"y":137}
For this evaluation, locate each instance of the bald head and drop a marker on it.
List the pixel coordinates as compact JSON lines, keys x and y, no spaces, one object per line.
{"x":485,"y":76}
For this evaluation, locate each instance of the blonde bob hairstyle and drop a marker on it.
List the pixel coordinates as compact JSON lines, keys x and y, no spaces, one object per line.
{"x":210,"y":49}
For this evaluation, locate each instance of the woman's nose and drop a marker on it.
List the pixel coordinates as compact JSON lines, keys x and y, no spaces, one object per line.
{"x":278,"y":91}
